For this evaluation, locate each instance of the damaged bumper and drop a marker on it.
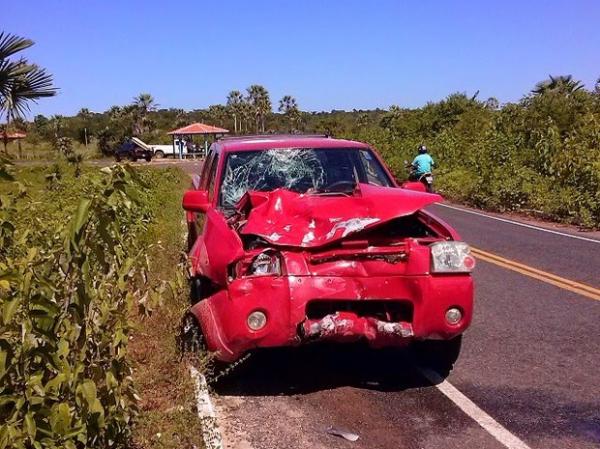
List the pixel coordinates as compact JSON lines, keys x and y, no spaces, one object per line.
{"x":349,"y":326}
{"x":384,"y":311}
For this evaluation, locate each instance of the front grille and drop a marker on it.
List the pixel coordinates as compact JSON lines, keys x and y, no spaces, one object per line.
{"x":382,"y":309}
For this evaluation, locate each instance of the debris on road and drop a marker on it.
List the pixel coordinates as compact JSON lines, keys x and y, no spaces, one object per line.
{"x":342,"y":433}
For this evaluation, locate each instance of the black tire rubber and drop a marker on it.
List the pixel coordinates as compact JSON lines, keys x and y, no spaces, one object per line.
{"x":438,"y":355}
{"x":199,"y":289}
{"x":191,"y":339}
{"x":148,"y":157}
{"x":117,"y":158}
{"x":191,"y":235}
{"x":159,"y":154}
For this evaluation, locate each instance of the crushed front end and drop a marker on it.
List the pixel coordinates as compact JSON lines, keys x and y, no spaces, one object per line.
{"x":340,"y":273}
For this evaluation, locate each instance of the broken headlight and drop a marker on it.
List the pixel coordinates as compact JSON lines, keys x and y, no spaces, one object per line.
{"x":266,"y":263}
{"x":451,"y":257}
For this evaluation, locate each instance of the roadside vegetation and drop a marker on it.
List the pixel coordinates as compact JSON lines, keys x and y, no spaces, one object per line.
{"x":539,"y":156}
{"x":91,"y":291}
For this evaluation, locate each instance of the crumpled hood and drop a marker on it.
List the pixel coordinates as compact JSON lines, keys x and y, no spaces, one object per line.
{"x":286,"y":218}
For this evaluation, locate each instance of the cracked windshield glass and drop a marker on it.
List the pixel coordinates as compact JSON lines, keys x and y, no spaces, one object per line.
{"x":302,"y":170}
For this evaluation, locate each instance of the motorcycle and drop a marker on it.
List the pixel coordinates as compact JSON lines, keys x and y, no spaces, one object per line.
{"x":422,"y":183}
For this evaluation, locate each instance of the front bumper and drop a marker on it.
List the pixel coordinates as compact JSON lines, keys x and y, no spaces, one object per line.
{"x":284,"y":301}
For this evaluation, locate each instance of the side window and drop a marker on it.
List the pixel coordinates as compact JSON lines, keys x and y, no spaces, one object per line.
{"x":212,"y":175}
{"x":206,"y":170}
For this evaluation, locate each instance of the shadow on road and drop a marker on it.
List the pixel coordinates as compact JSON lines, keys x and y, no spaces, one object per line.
{"x":288,"y":371}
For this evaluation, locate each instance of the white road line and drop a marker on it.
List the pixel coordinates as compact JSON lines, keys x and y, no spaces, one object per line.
{"x":206,"y":412}
{"x":516,"y":223}
{"x":493,"y":427}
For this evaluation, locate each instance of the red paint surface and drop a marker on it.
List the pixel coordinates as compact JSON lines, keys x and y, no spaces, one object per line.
{"x":322,"y":263}
{"x":416,"y":186}
{"x":287,"y":218}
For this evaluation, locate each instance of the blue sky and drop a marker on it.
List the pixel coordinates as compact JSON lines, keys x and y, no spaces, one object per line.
{"x":329,"y":54}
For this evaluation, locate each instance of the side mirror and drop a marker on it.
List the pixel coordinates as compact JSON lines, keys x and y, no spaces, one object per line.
{"x":196,"y":201}
{"x":416,"y":186}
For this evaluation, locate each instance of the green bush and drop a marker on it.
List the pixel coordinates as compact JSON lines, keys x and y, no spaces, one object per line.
{"x":65,"y":294}
{"x":540,"y":156}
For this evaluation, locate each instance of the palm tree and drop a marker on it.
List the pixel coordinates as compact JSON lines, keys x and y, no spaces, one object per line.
{"x":143,"y":104}
{"x":57,"y":123}
{"x":217,"y":113}
{"x":562,"y":84}
{"x":258,"y":98}
{"x":234,"y":104}
{"x":20,"y":81}
{"x":180,"y":118}
{"x":289,"y":107}
{"x":246,"y":112}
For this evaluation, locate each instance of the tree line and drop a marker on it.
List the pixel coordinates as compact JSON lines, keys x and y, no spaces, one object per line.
{"x":540,"y":154}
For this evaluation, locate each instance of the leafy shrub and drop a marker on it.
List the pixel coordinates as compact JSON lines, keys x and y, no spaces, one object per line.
{"x":540,"y":155}
{"x":65,"y":294}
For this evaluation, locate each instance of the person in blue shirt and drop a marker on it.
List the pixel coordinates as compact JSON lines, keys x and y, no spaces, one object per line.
{"x":423,"y":163}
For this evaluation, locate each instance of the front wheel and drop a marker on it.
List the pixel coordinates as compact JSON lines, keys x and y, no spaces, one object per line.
{"x":158,"y":154}
{"x":192,"y":342}
{"x":199,"y":289}
{"x":148,"y":157}
{"x":191,"y":339}
{"x":438,"y":355}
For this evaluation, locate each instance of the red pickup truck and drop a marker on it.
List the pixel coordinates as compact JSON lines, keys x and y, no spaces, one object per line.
{"x":298,"y":239}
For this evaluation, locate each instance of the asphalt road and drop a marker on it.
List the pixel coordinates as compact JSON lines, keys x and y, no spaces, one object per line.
{"x":530,"y":362}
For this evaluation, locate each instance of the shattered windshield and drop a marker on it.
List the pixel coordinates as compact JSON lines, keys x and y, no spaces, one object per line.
{"x":302,"y":170}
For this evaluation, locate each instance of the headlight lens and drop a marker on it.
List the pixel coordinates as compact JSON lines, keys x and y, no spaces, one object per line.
{"x":453,"y":316}
{"x":266,"y":263}
{"x":257,"y":320}
{"x":451,"y":257}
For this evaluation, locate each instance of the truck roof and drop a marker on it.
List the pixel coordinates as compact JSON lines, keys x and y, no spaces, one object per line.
{"x":267,"y":142}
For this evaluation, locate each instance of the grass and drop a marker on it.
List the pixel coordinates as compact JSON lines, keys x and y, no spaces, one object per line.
{"x":168,"y":416}
{"x":32,"y":151}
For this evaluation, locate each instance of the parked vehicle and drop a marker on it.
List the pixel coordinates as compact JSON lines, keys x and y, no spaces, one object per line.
{"x":298,"y":239}
{"x":161,"y":151}
{"x":133,"y":149}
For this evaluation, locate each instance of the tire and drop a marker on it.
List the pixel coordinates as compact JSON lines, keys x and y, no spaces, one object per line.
{"x":158,"y":154}
{"x":200,"y":289}
{"x":438,"y":355}
{"x":191,"y":339}
{"x":118,"y":157}
{"x":191,"y":235}
{"x":148,"y":157}
{"x":192,"y":342}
